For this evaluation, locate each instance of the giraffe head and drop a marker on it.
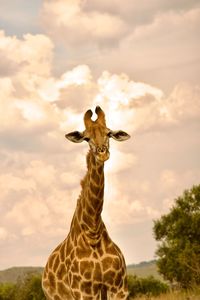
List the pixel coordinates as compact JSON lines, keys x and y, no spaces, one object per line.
{"x":97,"y":135}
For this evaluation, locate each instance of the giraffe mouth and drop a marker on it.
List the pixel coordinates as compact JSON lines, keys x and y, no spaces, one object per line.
{"x":101,"y":157}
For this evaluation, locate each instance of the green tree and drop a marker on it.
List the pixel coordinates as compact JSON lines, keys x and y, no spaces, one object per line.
{"x":134,"y":286}
{"x":148,"y":286}
{"x":179,"y":235}
{"x":30,"y":288}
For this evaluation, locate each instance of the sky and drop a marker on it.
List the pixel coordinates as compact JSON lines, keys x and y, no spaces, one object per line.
{"x":138,"y":60}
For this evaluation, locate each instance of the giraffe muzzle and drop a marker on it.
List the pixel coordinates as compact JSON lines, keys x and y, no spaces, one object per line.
{"x":102,"y":153}
{"x":101,"y":150}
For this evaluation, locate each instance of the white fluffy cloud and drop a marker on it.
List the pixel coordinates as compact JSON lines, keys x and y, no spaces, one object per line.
{"x":33,"y":54}
{"x":68,"y":20}
{"x":154,"y":42}
{"x":3,"y":233}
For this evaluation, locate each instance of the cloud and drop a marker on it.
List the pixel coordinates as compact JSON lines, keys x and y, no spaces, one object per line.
{"x":145,"y":107}
{"x":173,"y":182}
{"x":119,"y":89}
{"x":28,"y":95}
{"x":124,"y":161}
{"x":168,"y":178}
{"x":32,"y":54}
{"x":166,"y":47}
{"x":3,"y":233}
{"x":120,"y":95}
{"x":50,"y":90}
{"x":183,"y":103}
{"x":70,"y":19}
{"x":159,"y":44}
{"x":125,"y":208}
{"x":135,"y":13}
{"x":10,"y":182}
{"x":78,"y":76}
{"x":29,"y":212}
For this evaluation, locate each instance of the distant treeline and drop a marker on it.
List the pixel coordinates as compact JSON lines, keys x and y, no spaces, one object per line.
{"x":13,"y":274}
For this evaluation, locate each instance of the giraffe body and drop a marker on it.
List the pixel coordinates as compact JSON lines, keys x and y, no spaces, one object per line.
{"x":87,"y":265}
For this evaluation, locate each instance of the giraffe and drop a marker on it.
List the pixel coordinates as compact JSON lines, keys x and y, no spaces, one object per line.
{"x":88,"y":265}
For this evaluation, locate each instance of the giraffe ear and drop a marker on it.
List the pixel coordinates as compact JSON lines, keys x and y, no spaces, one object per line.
{"x":119,"y":135}
{"x":75,"y":137}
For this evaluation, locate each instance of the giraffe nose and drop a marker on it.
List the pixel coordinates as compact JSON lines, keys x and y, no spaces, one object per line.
{"x":102,"y":153}
{"x":102,"y":149}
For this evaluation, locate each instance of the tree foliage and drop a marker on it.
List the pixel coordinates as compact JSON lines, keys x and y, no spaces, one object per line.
{"x":30,"y":288}
{"x":27,"y":289}
{"x":7,"y":291}
{"x":179,"y":235}
{"x":148,"y":286}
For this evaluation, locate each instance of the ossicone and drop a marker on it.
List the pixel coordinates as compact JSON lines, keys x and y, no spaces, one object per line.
{"x":100,"y":115}
{"x":87,"y":118}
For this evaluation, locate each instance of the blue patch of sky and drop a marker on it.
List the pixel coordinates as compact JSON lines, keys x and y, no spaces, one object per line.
{"x":18,"y":17}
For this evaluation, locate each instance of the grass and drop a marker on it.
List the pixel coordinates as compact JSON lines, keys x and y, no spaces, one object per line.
{"x":176,"y":295}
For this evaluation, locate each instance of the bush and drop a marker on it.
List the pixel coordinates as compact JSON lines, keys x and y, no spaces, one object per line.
{"x":7,"y":291}
{"x":30,"y":288}
{"x":27,"y":289}
{"x":146,"y":286}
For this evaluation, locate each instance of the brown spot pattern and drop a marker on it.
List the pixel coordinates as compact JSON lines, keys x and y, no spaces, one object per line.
{"x":62,"y":290}
{"x":75,"y":267}
{"x":86,"y":266}
{"x":107,"y":263}
{"x":97,"y":273}
{"x":56,"y":263}
{"x":52,"y":280}
{"x":86,"y":287}
{"x":109,"y":277}
{"x":61,"y":271}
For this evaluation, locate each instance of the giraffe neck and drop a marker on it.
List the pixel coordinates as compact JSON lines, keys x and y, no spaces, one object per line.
{"x":91,"y":200}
